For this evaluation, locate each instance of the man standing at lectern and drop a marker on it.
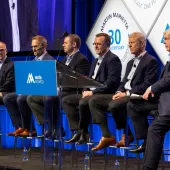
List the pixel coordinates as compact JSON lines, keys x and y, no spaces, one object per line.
{"x":7,"y":80}
{"x":17,"y":106}
{"x":49,"y":104}
{"x":161,"y":125}
{"x":107,"y":70}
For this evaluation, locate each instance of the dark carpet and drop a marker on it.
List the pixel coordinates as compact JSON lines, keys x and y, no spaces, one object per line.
{"x":9,"y":158}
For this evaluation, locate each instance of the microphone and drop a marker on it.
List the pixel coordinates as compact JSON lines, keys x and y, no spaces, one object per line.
{"x":134,"y":65}
{"x":98,"y":63}
{"x":13,"y":5}
{"x":65,"y":34}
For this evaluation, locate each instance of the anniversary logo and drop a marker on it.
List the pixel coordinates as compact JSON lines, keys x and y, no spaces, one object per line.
{"x":119,"y":35}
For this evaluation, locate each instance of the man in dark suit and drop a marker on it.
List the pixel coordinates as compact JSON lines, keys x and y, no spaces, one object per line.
{"x":7,"y":79}
{"x":140,"y":73}
{"x":38,"y":104}
{"x":161,"y":125}
{"x":105,"y":69}
{"x":20,"y":23}
{"x":17,"y":106}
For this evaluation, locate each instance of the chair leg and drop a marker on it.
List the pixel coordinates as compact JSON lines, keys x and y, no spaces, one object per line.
{"x":15,"y":144}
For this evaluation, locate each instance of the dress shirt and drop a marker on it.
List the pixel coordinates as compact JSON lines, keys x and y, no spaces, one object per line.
{"x":2,"y":61}
{"x":41,"y":57}
{"x":132,"y":72}
{"x":69,"y":58}
{"x":99,"y":61}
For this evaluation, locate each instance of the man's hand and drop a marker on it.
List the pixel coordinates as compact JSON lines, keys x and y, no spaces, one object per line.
{"x":118,"y":95}
{"x":0,"y":94}
{"x":87,"y":93}
{"x":147,"y":93}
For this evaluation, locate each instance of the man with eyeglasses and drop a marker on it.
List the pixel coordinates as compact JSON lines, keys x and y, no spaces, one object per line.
{"x":106,"y":69}
{"x":140,"y":73}
{"x":7,"y":79}
{"x":74,"y":59}
{"x":18,"y":109}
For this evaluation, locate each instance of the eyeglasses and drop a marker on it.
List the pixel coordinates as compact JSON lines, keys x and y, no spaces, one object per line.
{"x":2,"y":50}
{"x":98,"y":44}
{"x":36,"y":46}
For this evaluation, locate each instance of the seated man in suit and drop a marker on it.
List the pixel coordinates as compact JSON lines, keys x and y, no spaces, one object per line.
{"x":105,"y":69}
{"x":138,"y":110}
{"x":140,"y":73}
{"x":17,"y":106}
{"x":161,"y":125}
{"x":39,"y":104}
{"x":7,"y":79}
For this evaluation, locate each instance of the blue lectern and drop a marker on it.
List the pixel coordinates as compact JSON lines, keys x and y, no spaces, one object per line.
{"x":36,"y":77}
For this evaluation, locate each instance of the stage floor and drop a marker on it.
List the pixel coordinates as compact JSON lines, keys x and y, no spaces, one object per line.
{"x":11,"y":159}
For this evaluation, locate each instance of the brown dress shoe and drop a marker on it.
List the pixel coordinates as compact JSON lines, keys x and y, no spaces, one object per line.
{"x":18,"y":131}
{"x":104,"y":142}
{"x":121,"y":143}
{"x":25,"y":133}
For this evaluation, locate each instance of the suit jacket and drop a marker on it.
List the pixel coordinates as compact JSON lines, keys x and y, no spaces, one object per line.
{"x":80,"y":64}
{"x":7,"y":79}
{"x":47,"y":57}
{"x":145,"y":75}
{"x":27,"y":23}
{"x":162,"y":87}
{"x":109,"y":73}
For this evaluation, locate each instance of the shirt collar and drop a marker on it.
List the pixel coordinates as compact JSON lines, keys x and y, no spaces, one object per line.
{"x":41,"y":57}
{"x":101,"y":57}
{"x":2,"y":61}
{"x":141,"y":55}
{"x":68,"y":56}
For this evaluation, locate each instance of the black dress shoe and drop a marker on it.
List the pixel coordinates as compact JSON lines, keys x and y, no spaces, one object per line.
{"x":84,"y":138}
{"x":74,"y":138}
{"x":139,"y":149}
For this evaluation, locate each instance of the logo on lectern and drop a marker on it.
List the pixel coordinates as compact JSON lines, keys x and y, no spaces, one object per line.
{"x":34,"y":79}
{"x":30,"y":79}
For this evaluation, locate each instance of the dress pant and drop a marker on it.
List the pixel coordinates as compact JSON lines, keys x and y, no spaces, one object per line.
{"x":98,"y":106}
{"x":77,"y":111}
{"x":46,"y":104}
{"x":155,"y":140}
{"x":18,"y":110}
{"x":118,"y":109}
{"x":138,"y":111}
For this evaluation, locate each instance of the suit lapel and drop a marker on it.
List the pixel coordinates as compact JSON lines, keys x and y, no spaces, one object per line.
{"x":93,"y":68}
{"x":141,"y":63}
{"x":3,"y":66}
{"x":164,"y":68}
{"x":72,"y":62}
{"x":103,"y":62}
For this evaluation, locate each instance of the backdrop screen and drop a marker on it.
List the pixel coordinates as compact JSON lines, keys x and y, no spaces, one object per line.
{"x":23,"y":19}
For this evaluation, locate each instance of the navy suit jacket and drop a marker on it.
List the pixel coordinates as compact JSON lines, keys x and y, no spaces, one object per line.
{"x":7,"y":79}
{"x":162,"y":87}
{"x":109,"y":73}
{"x":145,"y":75}
{"x":27,"y":23}
{"x":80,"y":64}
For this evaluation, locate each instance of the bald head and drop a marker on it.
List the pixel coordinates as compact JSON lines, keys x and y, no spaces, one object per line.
{"x":137,"y":43}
